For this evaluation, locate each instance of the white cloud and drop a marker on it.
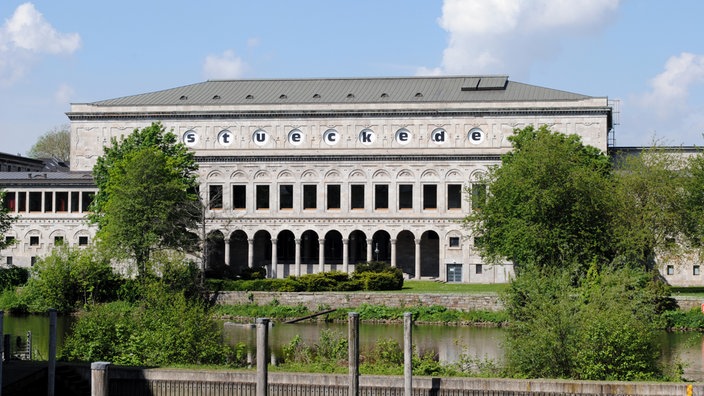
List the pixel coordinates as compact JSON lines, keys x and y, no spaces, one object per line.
{"x":63,"y":94}
{"x":670,"y":89}
{"x":225,"y":66}
{"x":25,"y":36}
{"x":508,"y":36}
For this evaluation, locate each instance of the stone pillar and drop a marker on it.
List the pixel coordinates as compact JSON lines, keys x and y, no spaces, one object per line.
{"x":442,"y":265}
{"x":321,"y":255}
{"x":346,"y":256}
{"x":250,"y":253}
{"x":369,"y":250}
{"x":51,"y":372}
{"x":393,"y":253}
{"x":417,"y":258}
{"x":353,"y":356}
{"x":407,"y":354}
{"x":298,"y":257}
{"x":227,"y":251}
{"x":262,"y":360}
{"x":274,"y":257}
{"x":99,"y":380}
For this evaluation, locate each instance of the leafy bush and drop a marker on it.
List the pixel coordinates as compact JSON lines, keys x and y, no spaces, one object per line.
{"x":69,"y":278}
{"x":377,"y":275}
{"x":12,"y":276}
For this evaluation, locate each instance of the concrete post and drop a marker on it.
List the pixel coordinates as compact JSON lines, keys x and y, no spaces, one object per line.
{"x":417,"y":275}
{"x":99,"y":379}
{"x":297,"y":262}
{"x":262,"y":360}
{"x":2,"y":346}
{"x":52,"y":352}
{"x":407,"y":354}
{"x":353,"y":357}
{"x":321,"y":255}
{"x":345,"y":256}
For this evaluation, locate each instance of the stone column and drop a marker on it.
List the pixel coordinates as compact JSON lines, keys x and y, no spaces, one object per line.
{"x":321,"y":255}
{"x":393,"y":253}
{"x":274,"y":257}
{"x":99,"y":379}
{"x":345,"y":256}
{"x":227,"y":251}
{"x":369,"y":250}
{"x":298,"y":257}
{"x":250,"y":253}
{"x":417,"y":240}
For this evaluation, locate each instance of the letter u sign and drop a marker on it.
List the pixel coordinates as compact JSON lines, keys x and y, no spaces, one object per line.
{"x":260,"y":137}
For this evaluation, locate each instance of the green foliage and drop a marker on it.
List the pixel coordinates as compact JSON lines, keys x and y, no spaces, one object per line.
{"x":387,"y":279}
{"x":550,"y":202}
{"x":602,"y":327}
{"x":684,"y":320}
{"x":327,"y":355}
{"x":55,"y":144}
{"x":5,"y":222}
{"x":69,"y":278}
{"x":147,"y":195}
{"x":11,"y":277}
{"x":272,"y":310}
{"x":163,"y":328}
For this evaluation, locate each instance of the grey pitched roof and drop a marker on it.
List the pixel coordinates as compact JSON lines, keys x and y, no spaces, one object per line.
{"x":346,"y":90}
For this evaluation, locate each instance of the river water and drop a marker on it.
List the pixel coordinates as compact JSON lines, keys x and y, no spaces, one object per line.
{"x":450,"y":343}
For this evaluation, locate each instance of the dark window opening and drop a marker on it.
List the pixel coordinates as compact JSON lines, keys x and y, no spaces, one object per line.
{"x":381,"y":196}
{"x":454,"y":196}
{"x":357,"y":196}
{"x":239,"y":197}
{"x":405,"y":196}
{"x":262,"y":197}
{"x":430,"y":196}
{"x":478,"y":195}
{"x":286,"y":196}
{"x":333,"y":196}
{"x":310,"y":197}
{"x":215,"y":197}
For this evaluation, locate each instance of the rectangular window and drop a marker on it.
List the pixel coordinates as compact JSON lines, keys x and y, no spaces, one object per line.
{"x":75,"y":201}
{"x":454,"y":273}
{"x":61,"y":201}
{"x":695,"y":270}
{"x":33,"y":261}
{"x":285,"y":196}
{"x":215,"y":197}
{"x":333,"y":196}
{"x":48,"y":201}
{"x":454,"y":242}
{"x":670,"y":269}
{"x":8,"y":260}
{"x":33,"y":241}
{"x":35,"y":201}
{"x":478,"y":269}
{"x":381,"y":196}
{"x":9,"y":240}
{"x":87,"y":200}
{"x":58,"y":240}
{"x":478,"y":196}
{"x":357,"y":196}
{"x":405,"y":196}
{"x":454,"y":196}
{"x":82,"y":241}
{"x":310,"y":196}
{"x":262,"y":197}
{"x":21,"y":201}
{"x":430,"y":196}
{"x":239,"y":197}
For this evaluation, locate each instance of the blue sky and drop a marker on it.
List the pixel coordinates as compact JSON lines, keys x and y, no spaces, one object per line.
{"x":647,"y":54}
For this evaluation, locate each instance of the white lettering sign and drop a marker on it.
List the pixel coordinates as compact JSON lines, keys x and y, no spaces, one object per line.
{"x":403,"y":136}
{"x":225,"y":137}
{"x":296,"y":137}
{"x":190,"y":138}
{"x":331,"y":137}
{"x":475,"y":136}
{"x":367,"y":136}
{"x":260,"y":137}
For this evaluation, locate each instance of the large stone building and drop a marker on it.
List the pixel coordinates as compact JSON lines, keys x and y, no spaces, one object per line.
{"x":308,"y":175}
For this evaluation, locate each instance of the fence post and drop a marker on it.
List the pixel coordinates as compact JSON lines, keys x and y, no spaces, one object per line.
{"x":29,"y":345}
{"x":2,"y":346}
{"x":407,"y":354}
{"x":353,"y":357}
{"x":52,"y":352}
{"x":99,"y":379}
{"x":262,"y":360}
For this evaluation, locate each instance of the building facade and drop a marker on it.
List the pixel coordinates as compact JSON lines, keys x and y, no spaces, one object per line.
{"x":309,"y":175}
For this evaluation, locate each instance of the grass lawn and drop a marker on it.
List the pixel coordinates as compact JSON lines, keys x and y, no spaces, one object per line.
{"x":423,"y":286}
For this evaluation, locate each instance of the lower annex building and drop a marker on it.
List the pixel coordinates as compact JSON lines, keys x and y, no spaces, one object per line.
{"x":309,"y":175}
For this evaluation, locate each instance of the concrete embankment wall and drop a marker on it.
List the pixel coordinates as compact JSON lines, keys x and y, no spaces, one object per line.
{"x":318,"y":301}
{"x":162,"y":382}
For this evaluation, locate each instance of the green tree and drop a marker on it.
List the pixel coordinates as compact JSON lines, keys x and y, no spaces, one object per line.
{"x":55,"y":143}
{"x":147,"y":196}
{"x":693,"y":201}
{"x":5,"y":222}
{"x":548,"y":204}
